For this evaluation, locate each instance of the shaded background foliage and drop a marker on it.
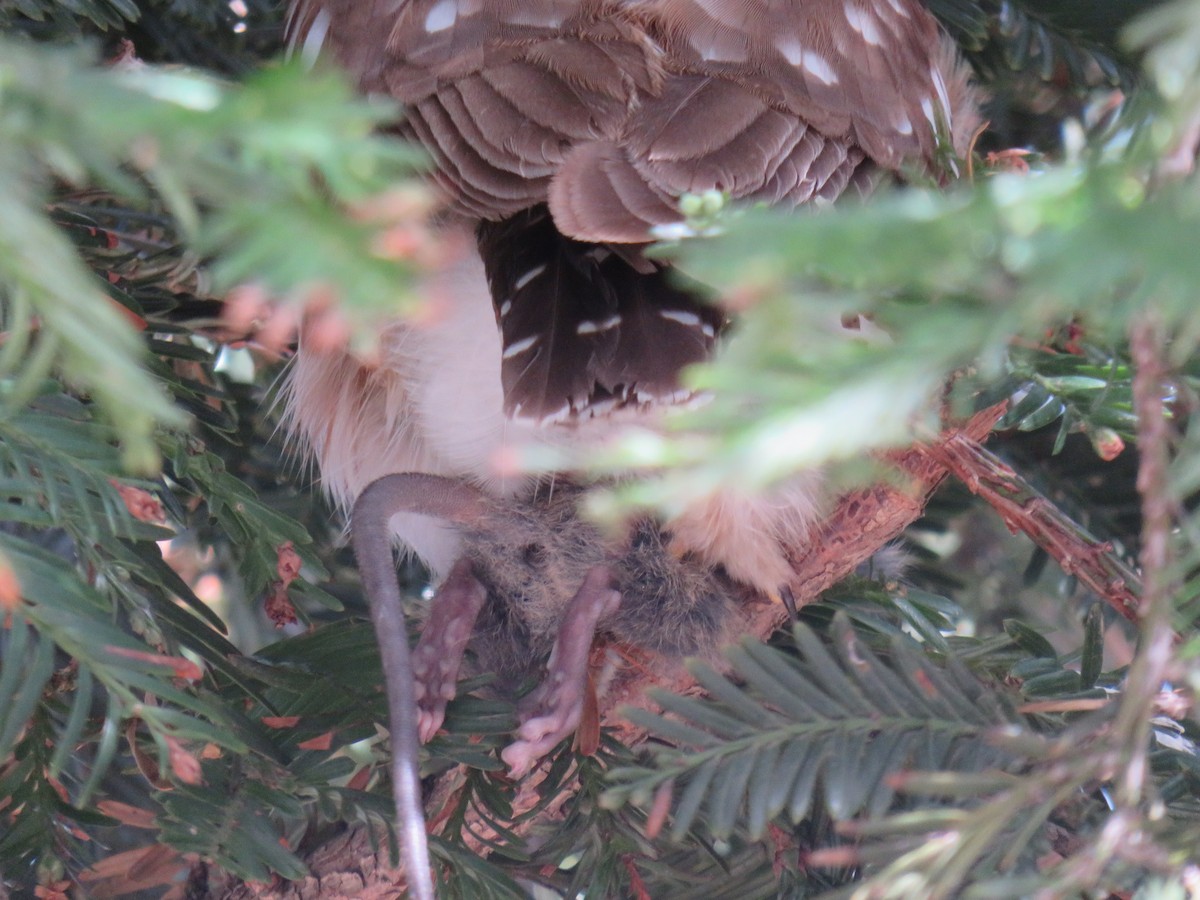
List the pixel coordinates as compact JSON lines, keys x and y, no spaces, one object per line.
{"x":956,"y":733}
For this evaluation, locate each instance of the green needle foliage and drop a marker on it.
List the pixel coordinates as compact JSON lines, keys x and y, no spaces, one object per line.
{"x":980,"y":726}
{"x":778,"y":726}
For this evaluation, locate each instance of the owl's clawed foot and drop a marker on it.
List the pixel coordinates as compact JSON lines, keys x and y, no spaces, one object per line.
{"x":439,"y":653}
{"x":553,"y":710}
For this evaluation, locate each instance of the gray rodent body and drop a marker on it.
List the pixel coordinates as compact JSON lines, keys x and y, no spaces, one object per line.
{"x":531,"y":555}
{"x":535,"y":583}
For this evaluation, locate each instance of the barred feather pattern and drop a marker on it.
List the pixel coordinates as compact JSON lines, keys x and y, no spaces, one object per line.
{"x":588,"y":328}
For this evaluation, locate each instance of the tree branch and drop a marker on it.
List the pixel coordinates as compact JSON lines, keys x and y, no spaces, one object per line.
{"x":1150,"y":665}
{"x":1023,"y":508}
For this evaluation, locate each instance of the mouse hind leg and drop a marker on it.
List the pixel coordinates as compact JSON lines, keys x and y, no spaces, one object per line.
{"x":438,"y":656}
{"x":554,"y":708}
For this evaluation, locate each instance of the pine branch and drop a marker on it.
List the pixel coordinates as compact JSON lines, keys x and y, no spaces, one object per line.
{"x":839,"y":720}
{"x":1151,"y":665}
{"x":1023,"y":509}
{"x":868,"y":519}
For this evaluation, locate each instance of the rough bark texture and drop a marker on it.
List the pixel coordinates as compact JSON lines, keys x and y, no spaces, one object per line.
{"x":1022,"y":508}
{"x":342,"y":868}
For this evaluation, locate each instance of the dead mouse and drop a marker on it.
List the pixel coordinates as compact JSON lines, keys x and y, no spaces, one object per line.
{"x":534,"y":586}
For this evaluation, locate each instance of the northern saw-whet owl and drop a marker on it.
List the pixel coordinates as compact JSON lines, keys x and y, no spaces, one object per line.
{"x":563,"y":134}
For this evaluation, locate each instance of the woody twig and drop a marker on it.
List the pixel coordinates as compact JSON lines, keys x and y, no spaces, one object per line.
{"x":1023,"y":509}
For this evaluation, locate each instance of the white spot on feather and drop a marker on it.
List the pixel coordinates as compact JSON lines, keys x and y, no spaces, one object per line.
{"x":441,"y":16}
{"x":927,"y":108}
{"x":519,"y":347}
{"x":864,"y":23}
{"x":314,"y":40}
{"x":688,"y":319}
{"x":813,"y":63}
{"x":899,"y":7}
{"x":529,"y":276}
{"x":681,"y":316}
{"x":819,"y":67}
{"x":939,"y":84}
{"x":727,"y":50}
{"x":792,"y":50}
{"x":597,"y":327}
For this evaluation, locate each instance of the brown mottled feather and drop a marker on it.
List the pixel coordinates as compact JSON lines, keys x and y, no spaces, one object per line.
{"x":692,"y":95}
{"x":598,"y":192}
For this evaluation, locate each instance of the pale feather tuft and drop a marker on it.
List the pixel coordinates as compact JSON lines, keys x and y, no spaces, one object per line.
{"x":749,"y":534}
